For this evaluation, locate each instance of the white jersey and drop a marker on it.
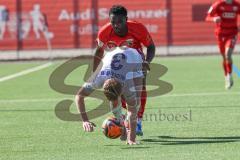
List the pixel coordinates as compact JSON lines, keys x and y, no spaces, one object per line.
{"x":122,"y":64}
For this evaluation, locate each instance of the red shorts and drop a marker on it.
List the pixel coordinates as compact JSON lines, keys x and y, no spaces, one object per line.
{"x":227,"y":41}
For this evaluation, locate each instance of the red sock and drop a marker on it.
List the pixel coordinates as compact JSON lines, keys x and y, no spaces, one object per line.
{"x":124,"y":103}
{"x":224,"y":68}
{"x":143,"y":102}
{"x":229,"y":67}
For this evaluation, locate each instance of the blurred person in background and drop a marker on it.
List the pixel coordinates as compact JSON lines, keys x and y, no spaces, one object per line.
{"x":225,"y":14}
{"x":40,"y":23}
{"x":3,"y":20}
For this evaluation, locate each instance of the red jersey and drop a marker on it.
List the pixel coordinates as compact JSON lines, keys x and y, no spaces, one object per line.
{"x":228,"y":14}
{"x":136,"y":36}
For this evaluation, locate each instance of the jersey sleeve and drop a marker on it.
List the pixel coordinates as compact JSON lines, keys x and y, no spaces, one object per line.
{"x":88,"y":87}
{"x":94,"y":84}
{"x":143,"y":35}
{"x":100,"y":40}
{"x":103,"y":33}
{"x":213,"y":10}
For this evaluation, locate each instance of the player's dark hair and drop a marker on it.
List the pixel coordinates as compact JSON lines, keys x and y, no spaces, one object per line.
{"x":112,"y":89}
{"x":118,"y":10}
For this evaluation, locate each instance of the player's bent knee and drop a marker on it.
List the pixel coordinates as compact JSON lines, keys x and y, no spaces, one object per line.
{"x":132,"y":114}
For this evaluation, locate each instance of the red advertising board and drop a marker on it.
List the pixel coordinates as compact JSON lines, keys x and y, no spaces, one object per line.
{"x":188,"y":22}
{"x":28,"y":24}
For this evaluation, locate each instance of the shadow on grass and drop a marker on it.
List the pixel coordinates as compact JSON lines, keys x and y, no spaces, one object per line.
{"x":127,"y":146}
{"x":169,"y":140}
{"x":135,"y":147}
{"x":112,"y":145}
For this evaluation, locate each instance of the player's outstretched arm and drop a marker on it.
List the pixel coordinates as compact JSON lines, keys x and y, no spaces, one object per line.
{"x":79,"y":99}
{"x":215,"y":19}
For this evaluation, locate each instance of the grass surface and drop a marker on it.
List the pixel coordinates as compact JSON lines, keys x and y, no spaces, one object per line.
{"x":198,"y":120}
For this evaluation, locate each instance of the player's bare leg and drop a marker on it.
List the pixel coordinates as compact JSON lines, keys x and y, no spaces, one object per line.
{"x":142,"y":94}
{"x":132,"y":123}
{"x":227,"y":57}
{"x":133,"y":107}
{"x":143,"y":100}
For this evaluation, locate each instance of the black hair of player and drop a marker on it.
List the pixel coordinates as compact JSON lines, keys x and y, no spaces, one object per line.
{"x":118,"y":10}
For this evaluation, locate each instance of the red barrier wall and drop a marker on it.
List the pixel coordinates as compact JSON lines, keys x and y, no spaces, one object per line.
{"x":74,"y":23}
{"x":188,"y":25}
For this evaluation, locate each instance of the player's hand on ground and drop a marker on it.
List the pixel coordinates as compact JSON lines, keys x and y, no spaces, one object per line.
{"x":217,"y":19}
{"x":88,"y":126}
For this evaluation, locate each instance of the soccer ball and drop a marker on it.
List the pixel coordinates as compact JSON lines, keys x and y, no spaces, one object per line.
{"x":112,"y":128}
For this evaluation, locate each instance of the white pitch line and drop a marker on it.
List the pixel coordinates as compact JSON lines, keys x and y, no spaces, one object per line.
{"x":201,"y":94}
{"x":30,"y":100}
{"x":24,"y":72}
{"x":164,"y":96}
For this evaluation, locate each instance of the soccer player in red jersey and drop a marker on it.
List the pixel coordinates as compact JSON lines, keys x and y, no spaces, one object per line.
{"x":121,"y":32}
{"x":225,"y":13}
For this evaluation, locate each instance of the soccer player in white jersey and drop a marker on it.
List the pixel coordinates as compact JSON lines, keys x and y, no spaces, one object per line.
{"x":120,"y":74}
